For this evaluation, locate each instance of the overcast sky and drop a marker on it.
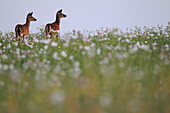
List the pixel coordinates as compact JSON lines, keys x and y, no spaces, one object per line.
{"x":86,"y":14}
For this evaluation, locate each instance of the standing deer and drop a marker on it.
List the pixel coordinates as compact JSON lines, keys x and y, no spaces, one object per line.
{"x":53,"y":28}
{"x":23,"y":30}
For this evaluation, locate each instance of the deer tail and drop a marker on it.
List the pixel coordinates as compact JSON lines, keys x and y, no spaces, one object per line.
{"x":47,"y":29}
{"x":18,"y":31}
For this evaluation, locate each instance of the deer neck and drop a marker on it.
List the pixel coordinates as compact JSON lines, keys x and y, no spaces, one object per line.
{"x":57,"y":20}
{"x":27,"y":23}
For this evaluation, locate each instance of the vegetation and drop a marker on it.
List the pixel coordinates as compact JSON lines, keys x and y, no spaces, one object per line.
{"x":103,"y":71}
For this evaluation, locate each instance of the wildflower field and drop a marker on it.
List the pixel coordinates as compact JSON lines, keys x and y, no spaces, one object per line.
{"x":102,"y":71}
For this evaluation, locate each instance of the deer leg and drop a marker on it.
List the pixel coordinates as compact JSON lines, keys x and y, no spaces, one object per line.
{"x":21,"y":41}
{"x":47,"y":30}
{"x":26,"y":36}
{"x":23,"y":37}
{"x":47,"y":35}
{"x":16,"y":37}
{"x":51,"y":35}
{"x":57,"y":36}
{"x":17,"y":32}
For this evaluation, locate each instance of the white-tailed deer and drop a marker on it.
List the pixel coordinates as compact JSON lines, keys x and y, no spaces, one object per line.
{"x":23,"y":30}
{"x":53,"y":28}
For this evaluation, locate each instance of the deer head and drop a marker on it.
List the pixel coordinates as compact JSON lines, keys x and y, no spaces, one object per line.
{"x":30,"y":17}
{"x":60,"y":14}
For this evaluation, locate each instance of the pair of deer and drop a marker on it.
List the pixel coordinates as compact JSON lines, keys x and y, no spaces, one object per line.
{"x":50,"y":29}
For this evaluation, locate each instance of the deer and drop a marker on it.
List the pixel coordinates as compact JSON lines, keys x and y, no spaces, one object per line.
{"x":23,"y":30}
{"x":54,"y":28}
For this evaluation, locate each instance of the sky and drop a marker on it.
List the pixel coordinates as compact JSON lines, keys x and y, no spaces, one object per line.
{"x":85,"y":14}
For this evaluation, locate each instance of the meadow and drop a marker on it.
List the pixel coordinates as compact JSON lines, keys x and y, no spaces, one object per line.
{"x":101,"y":71}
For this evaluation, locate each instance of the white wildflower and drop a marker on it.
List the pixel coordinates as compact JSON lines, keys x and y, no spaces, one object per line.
{"x":26,"y":41}
{"x":57,"y":97}
{"x":151,"y":34}
{"x":71,"y":57}
{"x":23,"y":56}
{"x":31,"y":46}
{"x":64,"y":54}
{"x":9,"y":46}
{"x":117,"y":47}
{"x":144,"y":47}
{"x":45,"y":41}
{"x":119,"y":38}
{"x":127,"y":40}
{"x":25,"y":65}
{"x":54,"y":44}
{"x":35,"y":40}
{"x":11,"y":66}
{"x":77,"y":64}
{"x":105,"y":60}
{"x":92,"y":45}
{"x":5,"y":67}
{"x":55,"y":55}
{"x":87,"y":48}
{"x":4,"y":56}
{"x":66,"y":44}
{"x":18,"y":51}
{"x":98,"y":51}
{"x":46,"y":47}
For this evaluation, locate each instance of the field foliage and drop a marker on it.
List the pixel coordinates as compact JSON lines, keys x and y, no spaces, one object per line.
{"x":102,"y":71}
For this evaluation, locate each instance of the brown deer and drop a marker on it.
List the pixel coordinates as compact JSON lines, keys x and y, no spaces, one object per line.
{"x":53,"y":28}
{"x":23,"y":30}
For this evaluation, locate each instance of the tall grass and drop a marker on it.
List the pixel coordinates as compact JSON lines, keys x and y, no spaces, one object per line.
{"x":103,"y":71}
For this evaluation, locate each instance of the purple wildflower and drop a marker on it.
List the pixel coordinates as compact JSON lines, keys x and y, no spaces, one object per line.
{"x":109,"y":54}
{"x":80,"y":47}
{"x":0,"y":51}
{"x":100,"y":35}
{"x":37,"y":60}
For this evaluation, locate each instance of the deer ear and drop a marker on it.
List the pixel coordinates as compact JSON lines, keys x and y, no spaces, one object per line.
{"x":60,"y":11}
{"x":30,"y":13}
